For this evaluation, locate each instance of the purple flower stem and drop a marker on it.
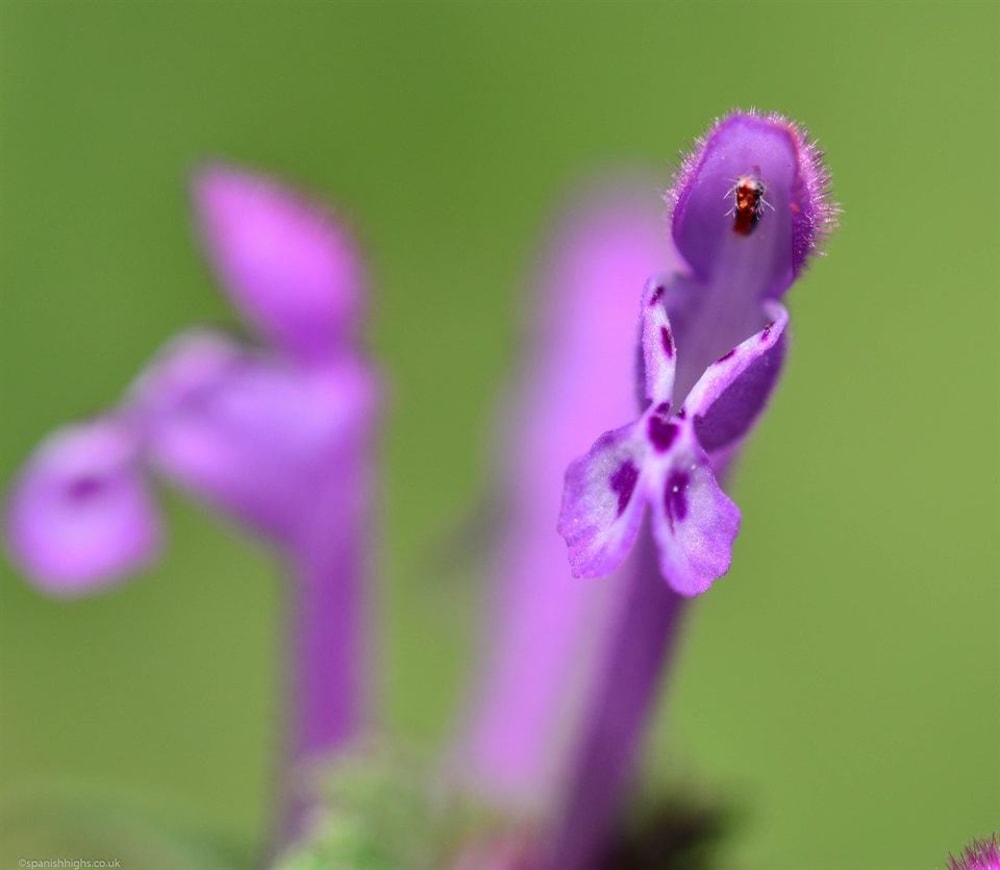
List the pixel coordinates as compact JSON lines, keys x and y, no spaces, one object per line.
{"x":623,"y":701}
{"x":327,"y":661}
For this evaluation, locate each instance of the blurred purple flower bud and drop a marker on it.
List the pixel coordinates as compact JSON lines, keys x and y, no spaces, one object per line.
{"x":80,"y":515}
{"x":546,"y":630}
{"x":283,"y":261}
{"x":980,"y":855}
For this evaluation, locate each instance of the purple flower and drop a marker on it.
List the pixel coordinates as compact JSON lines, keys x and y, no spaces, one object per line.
{"x":260,"y":434}
{"x":748,"y":207}
{"x":275,"y":437}
{"x":980,"y":855}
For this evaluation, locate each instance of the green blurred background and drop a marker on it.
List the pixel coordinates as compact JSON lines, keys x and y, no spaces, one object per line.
{"x":841,"y":687}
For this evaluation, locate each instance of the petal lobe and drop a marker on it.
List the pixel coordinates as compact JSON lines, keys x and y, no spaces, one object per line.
{"x":603,"y":503}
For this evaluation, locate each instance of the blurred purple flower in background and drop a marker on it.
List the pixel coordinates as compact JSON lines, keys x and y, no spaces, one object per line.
{"x":275,"y":437}
{"x":545,"y":630}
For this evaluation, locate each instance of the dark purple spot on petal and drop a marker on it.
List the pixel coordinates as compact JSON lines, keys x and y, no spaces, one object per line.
{"x":656,"y":297}
{"x":663,"y":408}
{"x":726,"y":356}
{"x":682,"y":414}
{"x":84,"y":488}
{"x":623,"y":483}
{"x":766,"y":332}
{"x":675,"y":497}
{"x":662,"y":433}
{"x":668,"y":342}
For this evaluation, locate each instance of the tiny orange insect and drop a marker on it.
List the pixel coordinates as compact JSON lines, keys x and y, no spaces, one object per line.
{"x":748,"y":202}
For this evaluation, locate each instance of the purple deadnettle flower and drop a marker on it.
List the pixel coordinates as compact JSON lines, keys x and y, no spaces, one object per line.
{"x":727,"y":323}
{"x":748,"y":208}
{"x":282,"y":441}
{"x":277,"y":438}
{"x":980,"y":855}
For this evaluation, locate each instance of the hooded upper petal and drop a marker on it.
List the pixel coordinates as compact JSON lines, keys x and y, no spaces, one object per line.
{"x":80,"y":515}
{"x":292,"y":270}
{"x":793,"y":218}
{"x":749,"y":206}
{"x":258,"y":437}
